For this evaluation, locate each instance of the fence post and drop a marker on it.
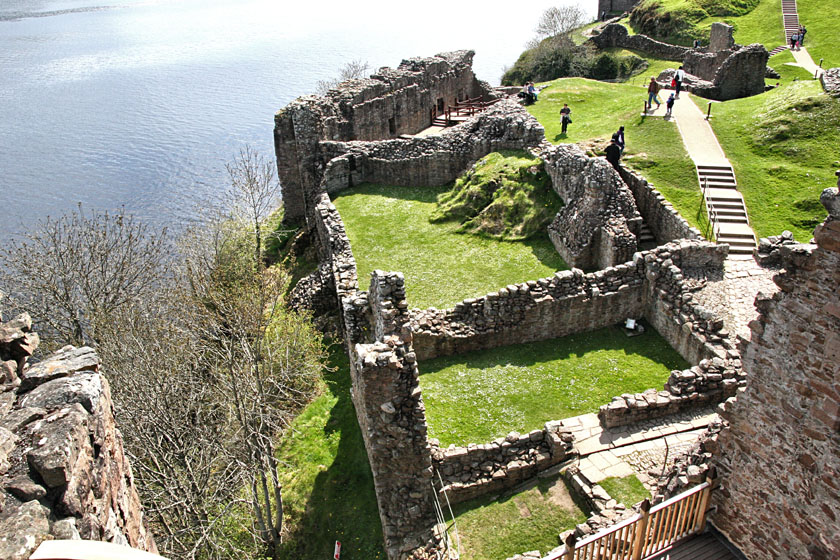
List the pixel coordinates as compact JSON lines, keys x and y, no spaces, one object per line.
{"x":709,"y":112}
{"x":640,"y":534}
{"x":570,"y":543}
{"x":711,"y":478}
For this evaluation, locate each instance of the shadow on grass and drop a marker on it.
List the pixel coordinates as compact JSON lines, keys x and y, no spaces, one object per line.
{"x":649,"y":345}
{"x":342,"y":505}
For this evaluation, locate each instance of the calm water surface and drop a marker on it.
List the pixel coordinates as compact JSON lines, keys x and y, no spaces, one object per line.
{"x":140,"y":103}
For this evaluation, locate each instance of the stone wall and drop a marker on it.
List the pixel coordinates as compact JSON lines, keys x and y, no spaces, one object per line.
{"x":662,"y":218}
{"x":476,"y":470}
{"x":728,"y":74}
{"x":721,"y":37}
{"x":613,"y":6}
{"x":599,"y":224}
{"x":780,"y":457}
{"x":616,"y":35}
{"x":830,"y":80}
{"x":386,"y":105}
{"x":63,"y":470}
{"x":434,"y":160}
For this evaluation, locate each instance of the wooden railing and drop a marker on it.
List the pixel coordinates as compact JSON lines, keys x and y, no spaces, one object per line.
{"x":463,"y":108}
{"x":647,"y":533}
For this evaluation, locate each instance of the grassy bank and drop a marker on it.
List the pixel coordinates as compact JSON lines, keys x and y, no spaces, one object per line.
{"x":327,"y":483}
{"x":782,"y":145}
{"x":479,"y":396}
{"x":654,"y":146}
{"x":499,"y":527}
{"x":822,"y":40}
{"x":389,"y":229}
{"x":628,"y":490}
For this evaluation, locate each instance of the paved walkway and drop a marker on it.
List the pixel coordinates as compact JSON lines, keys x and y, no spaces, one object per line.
{"x":715,"y":175}
{"x":803,"y":59}
{"x":639,"y":448}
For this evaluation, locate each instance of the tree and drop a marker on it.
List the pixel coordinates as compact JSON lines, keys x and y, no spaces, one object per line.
{"x":254,"y":192}
{"x":73,"y":272}
{"x":353,"y":70}
{"x":561,"y":20}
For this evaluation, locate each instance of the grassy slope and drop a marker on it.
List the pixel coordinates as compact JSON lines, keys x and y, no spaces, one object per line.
{"x":479,"y":396}
{"x":822,"y":39}
{"x":654,"y":146}
{"x":389,"y":229}
{"x":327,"y":483}
{"x":491,"y":528}
{"x":628,"y":490}
{"x":783,"y":147}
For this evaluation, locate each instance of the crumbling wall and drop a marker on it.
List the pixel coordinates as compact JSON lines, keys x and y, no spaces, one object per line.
{"x":63,"y":470}
{"x":386,"y":105}
{"x":599,"y":224}
{"x":566,"y":303}
{"x":476,"y":470}
{"x":727,"y":74}
{"x":830,"y":80}
{"x":780,"y":457}
{"x":434,"y":160}
{"x":616,"y":35}
{"x":662,"y":218}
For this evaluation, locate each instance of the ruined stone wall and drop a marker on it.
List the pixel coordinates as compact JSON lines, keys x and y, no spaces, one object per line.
{"x":566,"y":303}
{"x":830,"y":80}
{"x":727,"y":74}
{"x":476,"y":470}
{"x":660,"y":216}
{"x":386,"y":105}
{"x":430,"y":161}
{"x":704,"y":64}
{"x":599,"y":224}
{"x":612,"y":6}
{"x":616,"y":35}
{"x":780,"y":457}
{"x":63,"y":470}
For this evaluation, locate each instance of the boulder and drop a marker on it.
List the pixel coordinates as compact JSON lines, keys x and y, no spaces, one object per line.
{"x":83,"y":388}
{"x":22,"y":529}
{"x":65,"y":362}
{"x":59,"y":440}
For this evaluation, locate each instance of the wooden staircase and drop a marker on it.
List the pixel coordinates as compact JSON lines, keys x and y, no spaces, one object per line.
{"x":725,"y":208}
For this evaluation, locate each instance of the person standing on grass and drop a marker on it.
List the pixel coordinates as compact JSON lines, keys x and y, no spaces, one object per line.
{"x":793,"y":39}
{"x":613,"y":154}
{"x":565,"y":117}
{"x":669,"y":105}
{"x":802,"y":32}
{"x":678,"y":78}
{"x":653,"y":91}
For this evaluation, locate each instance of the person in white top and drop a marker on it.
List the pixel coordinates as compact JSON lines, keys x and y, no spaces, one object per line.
{"x":679,"y":77}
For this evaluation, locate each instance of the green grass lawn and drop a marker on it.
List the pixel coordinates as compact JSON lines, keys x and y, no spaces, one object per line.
{"x":783,"y":63}
{"x":491,"y":528}
{"x":389,"y":230}
{"x":822,"y":41}
{"x":654,"y":146}
{"x":762,"y":25}
{"x":783,"y":147}
{"x":327,"y":484}
{"x":628,"y":490}
{"x":482,"y":395}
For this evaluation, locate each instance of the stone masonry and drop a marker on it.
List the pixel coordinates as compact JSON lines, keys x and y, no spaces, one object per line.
{"x":616,"y":35}
{"x":386,"y":105}
{"x":63,"y":471}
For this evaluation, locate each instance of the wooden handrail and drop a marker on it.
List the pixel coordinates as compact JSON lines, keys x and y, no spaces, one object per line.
{"x":646,"y":533}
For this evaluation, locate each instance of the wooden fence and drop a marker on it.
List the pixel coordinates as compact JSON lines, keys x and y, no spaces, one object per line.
{"x":647,"y":533}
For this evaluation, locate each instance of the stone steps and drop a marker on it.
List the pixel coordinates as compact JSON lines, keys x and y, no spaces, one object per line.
{"x":725,"y":207}
{"x":780,"y":48}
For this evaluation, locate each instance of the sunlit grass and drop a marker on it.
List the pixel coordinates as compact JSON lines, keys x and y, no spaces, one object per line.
{"x":479,"y":396}
{"x":389,"y":229}
{"x":628,"y":490}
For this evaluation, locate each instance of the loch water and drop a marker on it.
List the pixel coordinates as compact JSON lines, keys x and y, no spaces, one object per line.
{"x":139,"y":104}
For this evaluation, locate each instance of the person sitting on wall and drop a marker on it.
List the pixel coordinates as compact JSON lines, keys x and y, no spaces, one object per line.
{"x":532,"y":92}
{"x":613,"y":152}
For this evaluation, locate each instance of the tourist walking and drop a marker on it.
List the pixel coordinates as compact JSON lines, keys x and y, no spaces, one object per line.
{"x":802,"y":32}
{"x":565,"y":117}
{"x":678,"y":79}
{"x":669,"y":106}
{"x":793,"y":39}
{"x":613,"y":152}
{"x":618,"y":137}
{"x":653,"y":91}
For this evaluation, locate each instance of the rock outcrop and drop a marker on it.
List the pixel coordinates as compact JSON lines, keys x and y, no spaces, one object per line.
{"x":63,"y":471}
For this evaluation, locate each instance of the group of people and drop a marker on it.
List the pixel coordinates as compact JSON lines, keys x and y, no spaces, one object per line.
{"x":654,"y":88}
{"x":798,"y":39}
{"x":529,"y":93}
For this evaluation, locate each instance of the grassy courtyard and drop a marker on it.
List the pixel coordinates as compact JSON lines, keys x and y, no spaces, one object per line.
{"x":654,"y":146}
{"x":482,"y":395}
{"x":495,"y":527}
{"x":389,"y":229}
{"x":628,"y":490}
